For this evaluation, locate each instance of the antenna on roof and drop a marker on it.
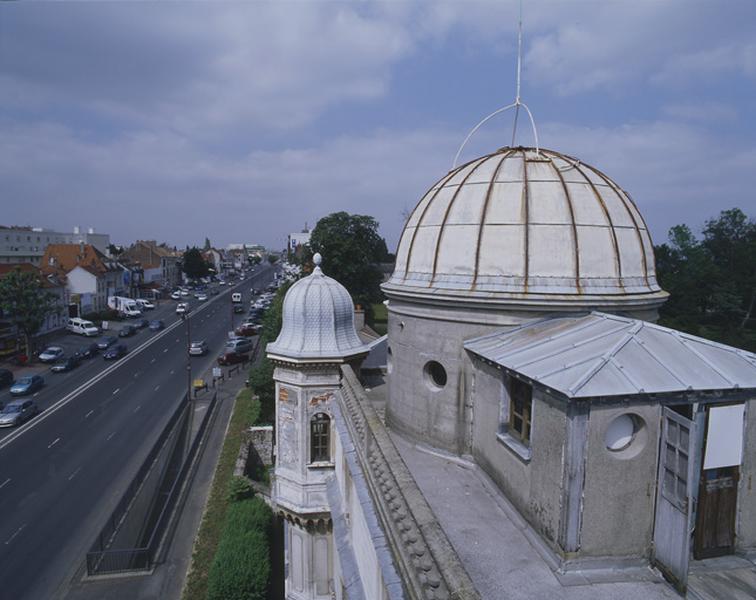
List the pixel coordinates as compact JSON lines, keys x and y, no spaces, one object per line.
{"x":516,"y":104}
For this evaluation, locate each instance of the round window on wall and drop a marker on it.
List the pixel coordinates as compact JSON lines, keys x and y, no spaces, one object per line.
{"x":625,"y":435}
{"x":435,"y":373}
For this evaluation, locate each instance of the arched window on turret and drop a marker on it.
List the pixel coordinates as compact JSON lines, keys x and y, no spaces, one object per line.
{"x":320,"y":438}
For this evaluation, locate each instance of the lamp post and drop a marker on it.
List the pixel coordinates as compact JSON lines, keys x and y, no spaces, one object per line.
{"x":187,"y":321}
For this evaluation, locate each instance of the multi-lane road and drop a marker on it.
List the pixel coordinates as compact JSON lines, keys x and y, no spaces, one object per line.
{"x":62,"y":473}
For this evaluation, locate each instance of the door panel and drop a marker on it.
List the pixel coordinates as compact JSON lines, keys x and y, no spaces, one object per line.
{"x":715,"y":522}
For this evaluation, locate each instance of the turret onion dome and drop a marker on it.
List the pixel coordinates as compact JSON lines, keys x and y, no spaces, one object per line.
{"x":522,"y":223}
{"x":318,"y":320}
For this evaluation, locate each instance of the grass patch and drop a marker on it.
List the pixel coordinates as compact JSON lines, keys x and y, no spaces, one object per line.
{"x":380,"y":318}
{"x":211,"y":529}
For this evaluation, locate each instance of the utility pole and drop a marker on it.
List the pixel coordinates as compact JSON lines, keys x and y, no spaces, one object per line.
{"x":190,"y":404}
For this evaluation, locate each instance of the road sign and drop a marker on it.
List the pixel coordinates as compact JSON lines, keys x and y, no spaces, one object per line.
{"x":217,"y":372}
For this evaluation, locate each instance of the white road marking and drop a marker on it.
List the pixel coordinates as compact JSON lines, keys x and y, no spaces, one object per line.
{"x":19,"y":530}
{"x":137,"y":408}
{"x":165,"y":350}
{"x":153,"y":360}
{"x":107,"y":439}
{"x":89,"y":414}
{"x":35,"y":394}
{"x":178,"y":340}
{"x":136,"y":375}
{"x":4,"y":483}
{"x":74,"y":474}
{"x":172,"y":372}
{"x":115,"y":391}
{"x":157,"y":387}
{"x":55,"y":441}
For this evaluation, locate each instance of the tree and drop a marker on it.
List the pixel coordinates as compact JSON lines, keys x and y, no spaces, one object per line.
{"x":351,"y":250}
{"x":272,"y":259}
{"x":207,"y":244}
{"x":25,"y":303}
{"x":194,"y":264}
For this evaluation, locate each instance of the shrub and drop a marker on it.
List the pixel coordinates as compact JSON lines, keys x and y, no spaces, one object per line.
{"x":239,"y":488}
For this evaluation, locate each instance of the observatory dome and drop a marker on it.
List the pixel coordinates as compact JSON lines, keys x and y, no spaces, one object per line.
{"x":521,"y":224}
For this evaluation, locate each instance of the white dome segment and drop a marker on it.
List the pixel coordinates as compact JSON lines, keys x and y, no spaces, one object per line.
{"x":522,"y":222}
{"x":318,"y":320}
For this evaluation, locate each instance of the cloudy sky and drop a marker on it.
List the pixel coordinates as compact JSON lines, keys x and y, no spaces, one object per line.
{"x":242,"y":121}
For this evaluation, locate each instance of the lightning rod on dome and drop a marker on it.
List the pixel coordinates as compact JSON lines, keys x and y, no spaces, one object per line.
{"x":516,"y":104}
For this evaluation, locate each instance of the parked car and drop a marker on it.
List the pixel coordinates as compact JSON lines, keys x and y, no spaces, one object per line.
{"x":82,"y":327}
{"x":239,"y":345}
{"x":232,"y":358}
{"x":127,"y":330}
{"x":202,"y":297}
{"x":182,"y":308}
{"x":6,"y":377}
{"x":184,"y":292}
{"x":27,"y":385}
{"x":145,"y":304}
{"x":141,"y":323}
{"x":238,"y":309}
{"x":88,"y":351}
{"x":156,"y":325}
{"x":248,"y":329}
{"x":18,"y":412}
{"x":198,"y":348}
{"x":106,"y":342}
{"x":116,"y":352}
{"x":67,"y":365}
{"x":176,"y":295}
{"x":51,"y":354}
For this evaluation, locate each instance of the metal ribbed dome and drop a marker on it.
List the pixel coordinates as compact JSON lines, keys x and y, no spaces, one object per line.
{"x":525,"y":222}
{"x":318,"y":320}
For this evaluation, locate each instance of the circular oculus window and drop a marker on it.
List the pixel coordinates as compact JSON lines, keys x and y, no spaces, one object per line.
{"x":620,"y":433}
{"x":436,"y":373}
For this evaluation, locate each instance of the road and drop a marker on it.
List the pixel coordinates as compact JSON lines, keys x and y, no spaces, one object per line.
{"x":62,"y":474}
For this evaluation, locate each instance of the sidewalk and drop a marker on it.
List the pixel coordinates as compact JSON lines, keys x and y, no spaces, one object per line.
{"x":166,"y":581}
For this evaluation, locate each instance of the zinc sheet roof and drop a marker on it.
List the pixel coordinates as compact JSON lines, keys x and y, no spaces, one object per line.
{"x":598,"y":355}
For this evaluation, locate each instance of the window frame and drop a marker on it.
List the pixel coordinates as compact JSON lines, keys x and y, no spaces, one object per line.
{"x":320,"y":441}
{"x":517,"y":438}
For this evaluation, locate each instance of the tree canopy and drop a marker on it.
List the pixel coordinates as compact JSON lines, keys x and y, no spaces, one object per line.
{"x":711,"y":281}
{"x":351,"y":250}
{"x":25,"y":303}
{"x":194,"y":264}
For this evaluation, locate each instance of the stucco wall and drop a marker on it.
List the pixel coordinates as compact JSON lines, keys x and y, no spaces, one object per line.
{"x":619,"y":492}
{"x":746,"y":519}
{"x":534,"y":487}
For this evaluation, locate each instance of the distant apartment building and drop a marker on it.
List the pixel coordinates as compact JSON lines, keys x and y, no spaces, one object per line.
{"x":160,"y":264}
{"x":298,"y":240}
{"x":90,"y":275}
{"x":28,"y":244}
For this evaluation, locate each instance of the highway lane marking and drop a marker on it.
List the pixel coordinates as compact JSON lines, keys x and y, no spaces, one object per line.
{"x":11,"y":538}
{"x":55,"y":441}
{"x":137,"y":409}
{"x":165,"y":350}
{"x":157,"y":387}
{"x":35,"y":394}
{"x":4,"y":483}
{"x":85,"y":386}
{"x":172,"y":372}
{"x":152,"y":361}
{"x":136,"y":375}
{"x":107,"y":439}
{"x":88,"y":414}
{"x":74,"y":474}
{"x":115,"y":391}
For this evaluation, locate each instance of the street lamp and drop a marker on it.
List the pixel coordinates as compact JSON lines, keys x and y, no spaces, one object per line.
{"x":187,"y":322}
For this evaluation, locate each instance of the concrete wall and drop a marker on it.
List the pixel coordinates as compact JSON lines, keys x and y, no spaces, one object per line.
{"x":620,"y":487}
{"x":533,"y":486}
{"x":746,"y":516}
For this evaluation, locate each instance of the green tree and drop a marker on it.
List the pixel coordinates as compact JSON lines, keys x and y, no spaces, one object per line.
{"x":272,"y":259}
{"x":25,"y":303}
{"x":207,"y":244}
{"x":351,"y":250}
{"x":194,"y":264}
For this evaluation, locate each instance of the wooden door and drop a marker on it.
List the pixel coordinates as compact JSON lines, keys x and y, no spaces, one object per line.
{"x":715,"y":521}
{"x":673,"y":522}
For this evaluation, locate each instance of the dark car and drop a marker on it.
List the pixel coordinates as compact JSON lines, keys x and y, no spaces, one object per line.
{"x":156,"y":325}
{"x":238,"y":309}
{"x":27,"y":385}
{"x":247,"y":329}
{"x":232,"y":358}
{"x":6,"y":377}
{"x":88,"y":351}
{"x":141,"y":323}
{"x":116,"y":352}
{"x":67,"y":365}
{"x":127,"y":330}
{"x":18,"y":412}
{"x":106,"y":342}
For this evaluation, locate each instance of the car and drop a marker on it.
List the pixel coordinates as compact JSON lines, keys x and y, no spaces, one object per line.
{"x":198,"y":348}
{"x":232,"y":358}
{"x":247,"y":329}
{"x":182,"y":308}
{"x":106,"y":342}
{"x":87,"y":351}
{"x":67,"y":365}
{"x":176,"y":295}
{"x":221,"y":283}
{"x":238,"y":309}
{"x":141,"y":323}
{"x":157,"y":325}
{"x":51,"y":354}
{"x":27,"y":385}
{"x":145,"y":304}
{"x":184,"y":292}
{"x":6,"y":377}
{"x":116,"y":352}
{"x":254,"y":291}
{"x":17,"y":412}
{"x":239,"y":345}
{"x":202,"y":297}
{"x":127,"y":330}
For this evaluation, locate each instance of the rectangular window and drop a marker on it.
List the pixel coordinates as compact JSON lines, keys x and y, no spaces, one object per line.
{"x":520,"y":410}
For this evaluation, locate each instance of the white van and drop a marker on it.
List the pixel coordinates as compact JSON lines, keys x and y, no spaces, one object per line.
{"x":82,"y":327}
